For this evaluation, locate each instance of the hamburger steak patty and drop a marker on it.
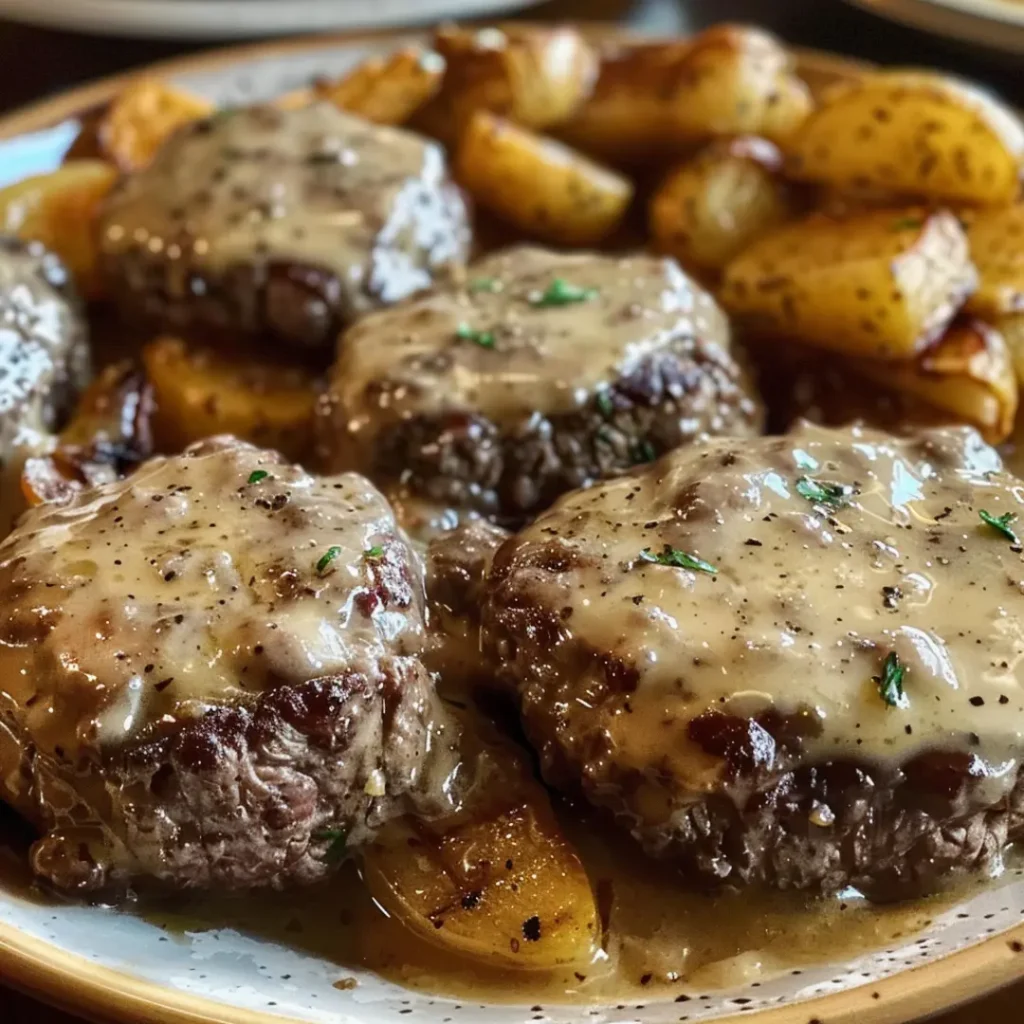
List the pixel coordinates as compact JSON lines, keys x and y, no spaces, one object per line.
{"x":793,"y":661}
{"x":286,"y":222}
{"x":44,"y":353}
{"x":543,"y":372}
{"x":210,"y":674}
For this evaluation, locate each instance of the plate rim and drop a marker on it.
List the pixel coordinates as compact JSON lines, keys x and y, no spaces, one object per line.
{"x":965,"y":21}
{"x":73,"y":983}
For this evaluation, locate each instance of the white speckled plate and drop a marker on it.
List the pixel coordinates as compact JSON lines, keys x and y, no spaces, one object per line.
{"x":998,"y":24}
{"x":112,"y":965}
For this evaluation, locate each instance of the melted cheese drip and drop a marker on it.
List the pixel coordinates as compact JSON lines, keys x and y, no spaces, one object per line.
{"x":805,"y":604}
{"x":313,"y":186}
{"x":412,"y":361}
{"x":186,"y":586}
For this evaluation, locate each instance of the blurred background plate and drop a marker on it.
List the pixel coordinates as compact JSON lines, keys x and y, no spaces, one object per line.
{"x":236,"y":19}
{"x":998,"y":24}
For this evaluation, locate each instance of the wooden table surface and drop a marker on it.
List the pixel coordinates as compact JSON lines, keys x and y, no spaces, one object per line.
{"x":36,"y":62}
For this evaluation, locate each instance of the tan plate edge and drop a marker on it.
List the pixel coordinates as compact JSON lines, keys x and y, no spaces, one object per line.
{"x":74,"y":984}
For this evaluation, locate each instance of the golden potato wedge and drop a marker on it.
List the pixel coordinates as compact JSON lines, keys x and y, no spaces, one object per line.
{"x":200,"y":393}
{"x":536,"y":76}
{"x":707,"y":210}
{"x":654,"y":99}
{"x":968,"y":373}
{"x":847,"y":201}
{"x":921,"y":134}
{"x":389,"y":89}
{"x":881,"y":285}
{"x":539,"y":185}
{"x":142,"y":117}
{"x":60,"y":209}
{"x":1012,"y":329}
{"x":996,"y":237}
{"x":499,"y":883}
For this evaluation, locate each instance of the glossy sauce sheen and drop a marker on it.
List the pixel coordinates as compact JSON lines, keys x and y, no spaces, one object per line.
{"x":313,"y":187}
{"x":194,"y":582}
{"x":526,"y":356}
{"x":804,"y":604}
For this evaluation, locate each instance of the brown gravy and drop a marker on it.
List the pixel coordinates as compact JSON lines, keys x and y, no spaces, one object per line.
{"x":664,"y":938}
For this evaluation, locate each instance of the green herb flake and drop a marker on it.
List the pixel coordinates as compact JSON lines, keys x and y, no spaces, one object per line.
{"x":338,"y":839}
{"x":1001,"y":523}
{"x":831,"y":496}
{"x":484,"y":284}
{"x":561,"y":293}
{"x":326,"y":558}
{"x":485,"y":339}
{"x":907,"y":223}
{"x":257,"y":475}
{"x":604,"y":403}
{"x":890,"y":682}
{"x":643,"y":451}
{"x":677,"y":559}
{"x":374,"y":554}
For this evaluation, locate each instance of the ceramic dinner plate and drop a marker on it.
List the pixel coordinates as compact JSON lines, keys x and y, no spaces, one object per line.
{"x":998,"y":24}
{"x":241,"y":19}
{"x":116,"y":965}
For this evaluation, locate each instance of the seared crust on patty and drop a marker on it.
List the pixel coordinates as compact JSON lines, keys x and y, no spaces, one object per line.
{"x":212,"y":674}
{"x":544,"y":372}
{"x":772,"y":661}
{"x":288,"y":223}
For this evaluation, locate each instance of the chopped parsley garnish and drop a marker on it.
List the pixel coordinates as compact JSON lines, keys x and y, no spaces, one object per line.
{"x":257,"y":475}
{"x":604,"y":403}
{"x":643,"y":451}
{"x":677,"y":559}
{"x":890,"y":682}
{"x":485,"y":284}
{"x":338,"y":838}
{"x":832,"y":496}
{"x":485,"y":339}
{"x":561,"y":293}
{"x":374,"y":554}
{"x":326,"y":558}
{"x":906,"y":223}
{"x":1001,"y":523}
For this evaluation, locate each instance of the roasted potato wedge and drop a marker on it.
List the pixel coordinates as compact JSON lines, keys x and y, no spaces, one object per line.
{"x":539,"y":185}
{"x":968,"y":373}
{"x":655,"y":99}
{"x":499,"y":882}
{"x":142,"y":117}
{"x":200,"y":393}
{"x":59,"y":209}
{"x":535,"y":76}
{"x":996,"y":237}
{"x":921,"y":134}
{"x":389,"y":89}
{"x":707,"y":210}
{"x":881,"y":285}
{"x":1012,"y":329}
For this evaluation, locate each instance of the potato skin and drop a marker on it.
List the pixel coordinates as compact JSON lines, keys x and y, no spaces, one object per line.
{"x":657,"y":99}
{"x":200,"y":393}
{"x":924,"y":135}
{"x":881,"y":285}
{"x":535,"y":76}
{"x":540,"y":186}
{"x":968,"y":373}
{"x":710,"y":208}
{"x":388,"y":89}
{"x":996,"y":237}
{"x":60,"y":210}
{"x":142,"y":116}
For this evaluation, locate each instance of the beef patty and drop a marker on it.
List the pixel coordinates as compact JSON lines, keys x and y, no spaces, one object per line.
{"x":211,"y":674}
{"x":793,"y":661}
{"x":542,"y":372}
{"x":290,"y":222}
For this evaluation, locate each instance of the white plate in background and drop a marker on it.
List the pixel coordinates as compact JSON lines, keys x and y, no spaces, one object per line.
{"x":240,"y":19}
{"x":998,"y":24}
